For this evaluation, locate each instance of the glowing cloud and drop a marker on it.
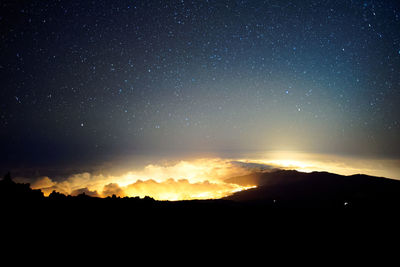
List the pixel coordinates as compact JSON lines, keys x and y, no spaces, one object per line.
{"x":204,"y":178}
{"x":182,"y":180}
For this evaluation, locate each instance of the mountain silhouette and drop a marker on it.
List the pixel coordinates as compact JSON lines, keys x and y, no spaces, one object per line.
{"x":288,"y":188}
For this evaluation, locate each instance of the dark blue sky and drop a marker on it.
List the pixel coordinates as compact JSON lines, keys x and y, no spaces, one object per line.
{"x":85,"y":81}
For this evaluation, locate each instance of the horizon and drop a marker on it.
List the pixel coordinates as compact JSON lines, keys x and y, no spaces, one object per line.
{"x":95,"y":92}
{"x":199,"y":178}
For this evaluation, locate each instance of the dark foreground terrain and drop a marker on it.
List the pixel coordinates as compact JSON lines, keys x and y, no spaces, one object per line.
{"x":286,"y":204}
{"x":267,"y":220}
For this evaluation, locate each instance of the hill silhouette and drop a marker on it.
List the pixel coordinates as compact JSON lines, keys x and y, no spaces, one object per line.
{"x":284,"y":188}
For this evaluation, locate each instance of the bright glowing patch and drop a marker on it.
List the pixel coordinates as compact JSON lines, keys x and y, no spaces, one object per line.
{"x":183,"y":180}
{"x":204,"y":178}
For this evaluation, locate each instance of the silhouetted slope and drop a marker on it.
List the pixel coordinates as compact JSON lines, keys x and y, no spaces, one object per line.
{"x":317,"y":189}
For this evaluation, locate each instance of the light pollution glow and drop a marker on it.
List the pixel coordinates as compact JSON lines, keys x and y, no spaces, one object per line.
{"x":205,"y":178}
{"x":183,"y":180}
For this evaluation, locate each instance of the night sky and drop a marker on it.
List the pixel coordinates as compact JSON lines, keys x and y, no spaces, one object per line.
{"x":85,"y":82}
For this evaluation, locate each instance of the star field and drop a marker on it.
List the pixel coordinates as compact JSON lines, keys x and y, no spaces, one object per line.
{"x":93,"y":79}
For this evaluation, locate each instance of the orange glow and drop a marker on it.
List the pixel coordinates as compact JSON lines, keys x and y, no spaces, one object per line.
{"x":183,"y":180}
{"x":182,"y":190}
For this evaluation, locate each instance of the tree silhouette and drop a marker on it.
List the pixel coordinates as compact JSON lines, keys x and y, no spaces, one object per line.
{"x":7,"y":178}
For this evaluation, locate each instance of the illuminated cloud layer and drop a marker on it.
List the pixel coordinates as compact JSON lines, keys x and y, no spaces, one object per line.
{"x":198,"y":179}
{"x":205,"y":178}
